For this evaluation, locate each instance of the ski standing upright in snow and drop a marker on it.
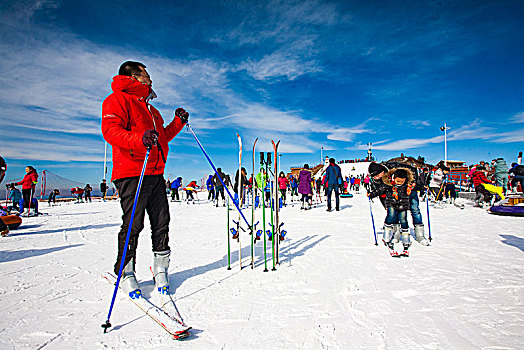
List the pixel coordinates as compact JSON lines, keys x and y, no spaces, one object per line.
{"x":276,"y":228}
{"x":239,"y":189}
{"x":253,"y":189}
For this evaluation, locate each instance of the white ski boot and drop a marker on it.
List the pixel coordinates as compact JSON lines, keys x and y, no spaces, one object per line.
{"x":129,"y":283}
{"x":419,"y":235}
{"x":396,"y":231}
{"x":25,"y":213}
{"x":405,"y":237}
{"x":388,"y":234}
{"x":160,"y":275}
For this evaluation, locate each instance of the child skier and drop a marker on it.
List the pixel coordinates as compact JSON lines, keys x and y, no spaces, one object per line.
{"x":397,"y":204}
{"x":15,"y":195}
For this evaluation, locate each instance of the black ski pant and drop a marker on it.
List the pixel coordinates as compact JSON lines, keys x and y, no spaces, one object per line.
{"x":153,"y":200}
{"x":27,"y":195}
{"x":211,"y":195}
{"x":450,"y":191}
{"x":283,"y":195}
{"x":219,"y":190}
{"x":174,"y":193}
{"x":87,"y":196}
{"x":483,"y":192}
{"x":52,"y":198}
{"x":305,"y":198}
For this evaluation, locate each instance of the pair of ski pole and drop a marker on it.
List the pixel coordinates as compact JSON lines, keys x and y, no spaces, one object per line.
{"x":373,"y":220}
{"x":107,"y":324}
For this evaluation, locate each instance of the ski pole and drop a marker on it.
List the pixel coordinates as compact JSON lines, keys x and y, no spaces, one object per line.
{"x":272,"y":205}
{"x":263,"y":199}
{"x":264,"y":226}
{"x":427,"y":206}
{"x":219,"y":177}
{"x":372,"y":221}
{"x":228,"y":240}
{"x":108,"y":324}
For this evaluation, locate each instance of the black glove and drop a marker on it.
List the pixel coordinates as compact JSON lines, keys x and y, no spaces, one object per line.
{"x":182,"y":114}
{"x":150,"y":138}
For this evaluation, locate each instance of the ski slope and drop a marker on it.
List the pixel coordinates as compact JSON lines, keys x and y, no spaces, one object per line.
{"x":334,"y":288}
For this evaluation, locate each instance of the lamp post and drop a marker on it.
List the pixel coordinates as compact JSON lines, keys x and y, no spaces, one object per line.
{"x":445,"y":128}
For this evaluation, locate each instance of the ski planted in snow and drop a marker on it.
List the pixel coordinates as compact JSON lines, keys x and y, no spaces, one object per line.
{"x":253,"y":195}
{"x":178,"y":330}
{"x":239,"y":189}
{"x":277,"y":227}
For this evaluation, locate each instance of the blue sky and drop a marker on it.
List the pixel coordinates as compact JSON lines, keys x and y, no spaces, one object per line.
{"x":331,"y":74}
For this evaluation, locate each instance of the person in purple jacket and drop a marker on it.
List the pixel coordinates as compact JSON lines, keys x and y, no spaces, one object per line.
{"x":304,"y":186}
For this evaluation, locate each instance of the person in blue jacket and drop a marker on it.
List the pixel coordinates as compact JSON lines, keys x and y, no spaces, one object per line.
{"x":333,"y":181}
{"x":294,"y":186}
{"x":210,"y":188}
{"x":15,"y":195}
{"x":175,"y":185}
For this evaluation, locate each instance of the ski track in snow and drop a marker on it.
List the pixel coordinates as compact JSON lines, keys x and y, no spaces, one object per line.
{"x":334,"y":289}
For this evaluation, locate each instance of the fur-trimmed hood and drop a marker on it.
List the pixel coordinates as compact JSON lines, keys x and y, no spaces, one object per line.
{"x":387,"y":177}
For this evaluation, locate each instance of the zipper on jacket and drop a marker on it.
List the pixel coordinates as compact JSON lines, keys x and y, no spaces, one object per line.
{"x":154,"y":125}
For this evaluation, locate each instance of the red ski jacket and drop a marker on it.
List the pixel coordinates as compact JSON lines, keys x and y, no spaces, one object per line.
{"x":282,"y":183}
{"x":126,"y":115}
{"x":28,"y":181}
{"x":478,"y":178}
{"x":77,"y":190}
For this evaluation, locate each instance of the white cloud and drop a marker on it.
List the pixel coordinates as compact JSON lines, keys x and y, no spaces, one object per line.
{"x":518,"y":118}
{"x":510,"y":136}
{"x":277,"y":65}
{"x":472,"y":131}
{"x":418,"y":123}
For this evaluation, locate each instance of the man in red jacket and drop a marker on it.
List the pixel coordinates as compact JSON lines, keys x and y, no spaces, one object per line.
{"x":131,"y":125}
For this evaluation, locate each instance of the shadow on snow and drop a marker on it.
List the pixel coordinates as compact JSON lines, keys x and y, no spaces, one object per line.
{"x":60,"y":230}
{"x":14,"y":255}
{"x":514,"y":241}
{"x":287,"y":253}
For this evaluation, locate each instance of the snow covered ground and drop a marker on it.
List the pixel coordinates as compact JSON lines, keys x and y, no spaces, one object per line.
{"x":334,"y":288}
